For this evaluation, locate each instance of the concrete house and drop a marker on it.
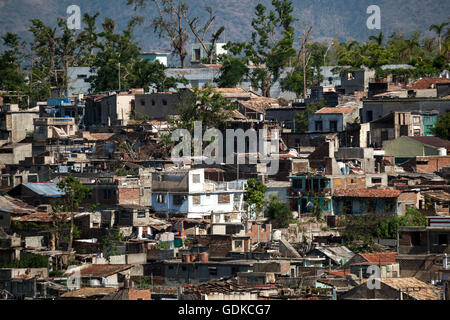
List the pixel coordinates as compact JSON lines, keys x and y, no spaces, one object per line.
{"x":376,"y":108}
{"x":77,"y":80}
{"x":48,"y":128}
{"x":355,"y":80}
{"x":364,"y":201}
{"x":332,"y":119}
{"x":15,"y":124}
{"x":188,"y":192}
{"x":397,"y":124}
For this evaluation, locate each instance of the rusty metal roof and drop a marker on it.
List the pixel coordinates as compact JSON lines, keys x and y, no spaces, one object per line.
{"x":367,"y":193}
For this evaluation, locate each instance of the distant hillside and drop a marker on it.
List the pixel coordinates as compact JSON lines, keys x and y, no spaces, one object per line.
{"x":342,"y":18}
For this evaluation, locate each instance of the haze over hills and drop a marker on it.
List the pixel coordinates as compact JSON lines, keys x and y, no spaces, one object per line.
{"x":342,"y":18}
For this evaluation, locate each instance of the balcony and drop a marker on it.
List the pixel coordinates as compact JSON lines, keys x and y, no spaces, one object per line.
{"x":53,"y":121}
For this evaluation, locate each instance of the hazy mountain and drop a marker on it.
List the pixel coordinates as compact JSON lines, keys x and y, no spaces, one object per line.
{"x":329,"y":18}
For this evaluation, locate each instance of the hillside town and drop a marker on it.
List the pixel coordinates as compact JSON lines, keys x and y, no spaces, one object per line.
{"x":95,"y":204}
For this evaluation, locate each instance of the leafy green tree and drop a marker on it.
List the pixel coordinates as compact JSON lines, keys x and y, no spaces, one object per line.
{"x":74,"y":193}
{"x":205,"y":105}
{"x":293,"y":82}
{"x":145,"y":74}
{"x":387,"y":228}
{"x":28,"y":260}
{"x":301,"y":120}
{"x":11,"y":74}
{"x":442,"y":127}
{"x":271,"y":48}
{"x":115,"y":51}
{"x":280,"y":212}
{"x":89,"y":37}
{"x":254,"y":194}
{"x":110,"y":241}
{"x":232,"y":72}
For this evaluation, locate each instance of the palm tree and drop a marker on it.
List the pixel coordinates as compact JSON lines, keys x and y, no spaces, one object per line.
{"x":410,"y":45}
{"x":378,"y":40}
{"x":438,"y":29}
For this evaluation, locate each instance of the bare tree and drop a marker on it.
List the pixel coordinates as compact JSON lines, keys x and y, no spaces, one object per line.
{"x":169,"y":23}
{"x":200,"y":34}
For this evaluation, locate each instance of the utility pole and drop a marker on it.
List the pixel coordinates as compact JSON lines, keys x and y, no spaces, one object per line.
{"x":119,"y":76}
{"x":304,"y":39}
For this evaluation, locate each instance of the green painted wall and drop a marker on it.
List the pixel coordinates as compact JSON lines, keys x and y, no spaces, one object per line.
{"x":405,"y":147}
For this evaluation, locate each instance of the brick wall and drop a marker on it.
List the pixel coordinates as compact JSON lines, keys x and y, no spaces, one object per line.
{"x":219,"y":245}
{"x":129,"y":195}
{"x":407,"y":199}
{"x":360,"y":94}
{"x":263,"y":235}
{"x":139,"y":294}
{"x":435,"y":163}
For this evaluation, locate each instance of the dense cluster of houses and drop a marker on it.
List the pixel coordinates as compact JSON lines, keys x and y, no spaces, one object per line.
{"x":184,"y":228}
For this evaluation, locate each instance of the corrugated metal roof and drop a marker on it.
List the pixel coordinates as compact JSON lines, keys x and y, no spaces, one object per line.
{"x":337,"y":254}
{"x":47,"y":189}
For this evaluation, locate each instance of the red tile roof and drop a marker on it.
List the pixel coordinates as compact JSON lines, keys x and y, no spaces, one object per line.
{"x":426,"y":83}
{"x":367,"y":193}
{"x":380,"y":257}
{"x":343,"y":110}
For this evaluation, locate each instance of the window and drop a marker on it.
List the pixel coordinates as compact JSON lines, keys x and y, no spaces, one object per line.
{"x":421,"y":162}
{"x":153,"y":102}
{"x":415,"y":239}
{"x":318,"y":125}
{"x":297,"y":184}
{"x":32,"y":178}
{"x":333,"y":126}
{"x":107,"y":194}
{"x":141,"y":214}
{"x":443,"y":239}
{"x":369,"y":115}
{"x":350,"y":75}
{"x":125,"y":215}
{"x":376,"y":180}
{"x":18,"y":180}
{"x":238,"y":244}
{"x":5,"y":181}
{"x":224,"y":198}
{"x":196,"y":178}
{"x":164,"y":102}
{"x":196,"y":199}
{"x":160,"y":198}
{"x":212,"y":271}
{"x":82,"y":76}
{"x":178,"y":199}
{"x":197,"y":54}
{"x":142,"y":102}
{"x":403,"y":130}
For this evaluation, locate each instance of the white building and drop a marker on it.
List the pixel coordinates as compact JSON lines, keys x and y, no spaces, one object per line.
{"x":77,"y":80}
{"x":190,"y":193}
{"x":198,"y":52}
